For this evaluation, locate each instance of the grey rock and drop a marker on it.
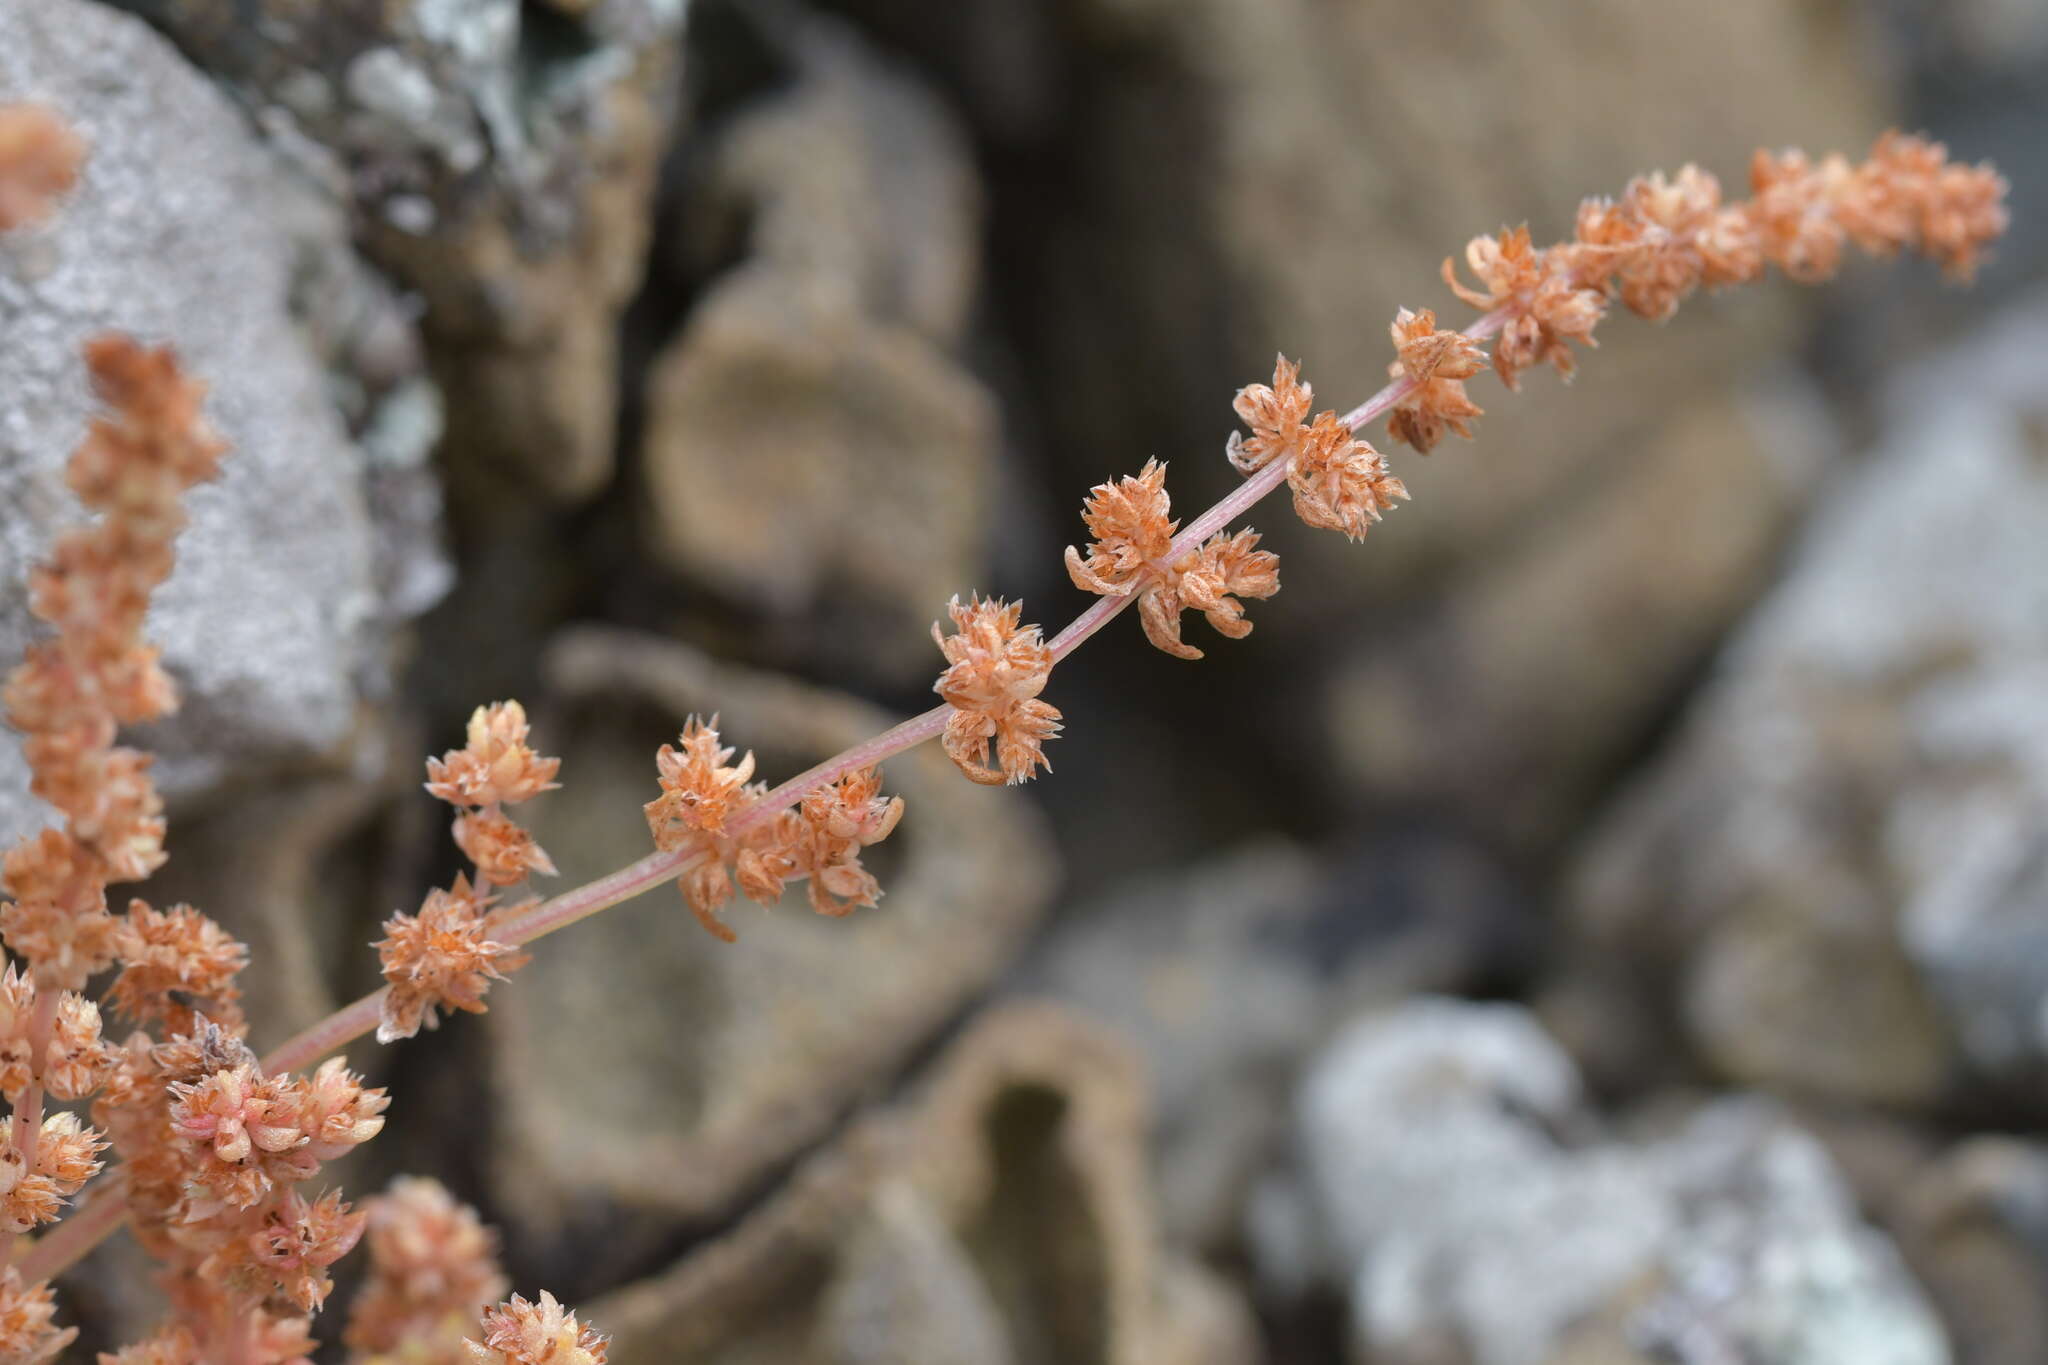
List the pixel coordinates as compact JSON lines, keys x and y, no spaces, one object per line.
{"x":1225,"y":976}
{"x":184,"y":230}
{"x":1974,"y":1223}
{"x":501,"y":158}
{"x":999,"y":1211}
{"x":1840,"y":868}
{"x":1475,"y":1215}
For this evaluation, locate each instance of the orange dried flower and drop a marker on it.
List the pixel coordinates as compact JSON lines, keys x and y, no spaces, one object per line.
{"x":1908,"y":193}
{"x":504,"y":853}
{"x":433,"y":1268}
{"x":544,"y":1333}
{"x":176,"y":965}
{"x":1274,"y":412}
{"x":64,"y":948}
{"x":78,"y":1060}
{"x":838,"y":822}
{"x":1789,"y":206}
{"x":496,"y":767}
{"x":1439,"y":361}
{"x":66,"y":1156}
{"x":441,"y":958}
{"x":297,"y":1241}
{"x":698,"y":789}
{"x":40,"y":158}
{"x":1340,"y":482}
{"x":1549,"y":304}
{"x":996,"y":667}
{"x":249,"y":1124}
{"x":1209,"y":580}
{"x":150,"y":444}
{"x":28,"y":1312}
{"x":1128,"y":520}
{"x":337,"y":1113}
{"x":1663,"y":240}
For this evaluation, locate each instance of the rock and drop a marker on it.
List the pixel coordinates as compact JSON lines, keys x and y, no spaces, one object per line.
{"x":813,"y":442}
{"x":317,"y":539}
{"x":1226,"y":974}
{"x":1975,"y":1227}
{"x":1837,"y":871}
{"x":721,"y":1064}
{"x":1000,"y":1213}
{"x":1476,"y":1216}
{"x":1513,"y":697}
{"x":503,"y":159}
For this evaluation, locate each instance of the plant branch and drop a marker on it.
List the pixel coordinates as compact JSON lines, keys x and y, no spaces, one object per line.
{"x":105,"y":1210}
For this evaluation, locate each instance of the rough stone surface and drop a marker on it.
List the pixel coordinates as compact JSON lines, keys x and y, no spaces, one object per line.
{"x":1974,"y":1224}
{"x":1000,"y":1213}
{"x":1839,"y":869}
{"x":1475,"y":1217}
{"x":1513,"y":697}
{"x":813,"y":441}
{"x":503,"y":158}
{"x":722,"y":1063}
{"x":1225,"y":975}
{"x":184,"y":231}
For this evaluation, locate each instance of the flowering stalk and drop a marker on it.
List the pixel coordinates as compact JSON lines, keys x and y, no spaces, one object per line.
{"x":1650,"y":249}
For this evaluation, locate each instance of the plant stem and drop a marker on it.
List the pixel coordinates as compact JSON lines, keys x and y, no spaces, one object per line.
{"x":106,"y":1210}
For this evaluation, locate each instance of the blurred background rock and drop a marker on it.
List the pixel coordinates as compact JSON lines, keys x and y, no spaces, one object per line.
{"x":1602,"y":919}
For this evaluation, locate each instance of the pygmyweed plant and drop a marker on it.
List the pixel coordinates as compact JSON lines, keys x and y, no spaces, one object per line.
{"x":217,"y":1145}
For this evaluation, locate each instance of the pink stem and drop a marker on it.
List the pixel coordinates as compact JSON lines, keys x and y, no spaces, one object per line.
{"x":84,"y":1229}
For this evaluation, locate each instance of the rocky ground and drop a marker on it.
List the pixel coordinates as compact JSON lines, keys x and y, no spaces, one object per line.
{"x":1602,"y":920}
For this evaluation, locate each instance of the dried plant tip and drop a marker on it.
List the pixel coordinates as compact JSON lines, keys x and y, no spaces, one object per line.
{"x":698,"y":789}
{"x":996,"y":667}
{"x":28,"y":1331}
{"x":1439,"y":362}
{"x":40,"y":158}
{"x":441,"y":958}
{"x":496,"y":767}
{"x":1128,"y":520}
{"x":153,"y":442}
{"x":433,"y":1269}
{"x":544,"y":1333}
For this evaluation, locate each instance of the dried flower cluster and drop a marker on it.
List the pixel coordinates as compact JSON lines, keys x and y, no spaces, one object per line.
{"x":996,"y":667}
{"x":40,"y":158}
{"x":218,"y":1153}
{"x":433,"y":1268}
{"x":544,"y":1333}
{"x":1133,"y":552}
{"x":1659,"y":242}
{"x":819,"y":840}
{"x":215,"y":1150}
{"x":444,"y":956}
